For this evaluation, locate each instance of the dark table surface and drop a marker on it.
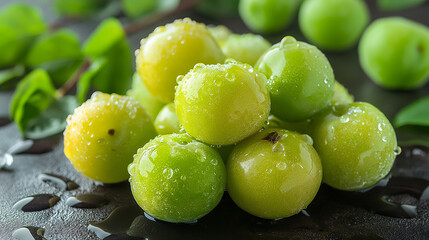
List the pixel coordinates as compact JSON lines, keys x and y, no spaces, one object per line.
{"x":343,"y":220}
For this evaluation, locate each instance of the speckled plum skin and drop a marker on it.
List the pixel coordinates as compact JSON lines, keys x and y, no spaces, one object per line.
{"x":394,"y":53}
{"x":300,"y":79}
{"x":172,"y":50}
{"x":356,"y":143}
{"x":274,"y":174}
{"x":103,"y":134}
{"x":222,"y":104}
{"x":176,"y":178}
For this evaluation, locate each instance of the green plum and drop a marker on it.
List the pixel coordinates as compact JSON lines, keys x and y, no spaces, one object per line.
{"x":173,"y":50}
{"x":140,"y":93}
{"x":167,"y":122}
{"x":300,"y":79}
{"x":246,"y":48}
{"x":103,"y":134}
{"x":394,"y":53}
{"x":356,"y":143}
{"x":341,"y":95}
{"x":220,"y":33}
{"x":222,"y":104}
{"x":268,"y":16}
{"x":274,"y":174}
{"x":176,"y":178}
{"x":333,"y":25}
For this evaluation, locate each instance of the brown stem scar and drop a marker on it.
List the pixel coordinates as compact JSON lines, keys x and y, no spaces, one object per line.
{"x":111,"y":132}
{"x":272,"y":137}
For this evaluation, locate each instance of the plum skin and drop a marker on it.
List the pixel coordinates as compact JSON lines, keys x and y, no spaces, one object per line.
{"x":356,"y":144}
{"x":222,"y":104}
{"x":274,"y":177}
{"x":176,"y":178}
{"x":103,"y":134}
{"x":300,"y":78}
{"x":333,"y":25}
{"x":172,"y":50}
{"x":394,"y":53}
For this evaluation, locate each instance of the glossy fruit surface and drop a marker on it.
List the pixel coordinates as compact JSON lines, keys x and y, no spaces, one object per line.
{"x":173,"y":50}
{"x":394,"y":53}
{"x":176,"y":178}
{"x":139,"y":92}
{"x":268,"y":16}
{"x":103,"y":134}
{"x":167,"y":122}
{"x":300,"y":79}
{"x":334,"y":25}
{"x":274,"y":174}
{"x":341,"y":95}
{"x":222,"y":104}
{"x":356,"y":144}
{"x":246,"y":48}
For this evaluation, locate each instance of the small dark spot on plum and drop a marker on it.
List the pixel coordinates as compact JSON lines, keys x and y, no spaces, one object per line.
{"x":272,"y":137}
{"x":420,"y":48}
{"x":111,"y":132}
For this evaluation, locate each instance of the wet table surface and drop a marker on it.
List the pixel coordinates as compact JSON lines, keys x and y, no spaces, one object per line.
{"x":333,"y":214}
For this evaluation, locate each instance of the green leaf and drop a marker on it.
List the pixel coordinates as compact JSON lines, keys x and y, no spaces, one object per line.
{"x":393,"y":5}
{"x":11,"y":73}
{"x":58,"y":53}
{"x":413,"y":135}
{"x":33,"y":95}
{"x":108,"y":33}
{"x":416,"y":114}
{"x":108,"y":42}
{"x":138,"y":8}
{"x":20,"y":24}
{"x":79,"y":8}
{"x":87,"y":78}
{"x":53,"y":120}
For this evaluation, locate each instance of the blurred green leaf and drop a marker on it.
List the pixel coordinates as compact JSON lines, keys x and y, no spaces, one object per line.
{"x":393,"y":5}
{"x":85,"y":81}
{"x":109,"y":43}
{"x":413,"y":135}
{"x":416,"y":114}
{"x":138,"y":8}
{"x":11,"y":73}
{"x":79,"y":8}
{"x":53,"y":120}
{"x":58,"y":53}
{"x":218,"y":9}
{"x":33,"y":95}
{"x":20,"y":24}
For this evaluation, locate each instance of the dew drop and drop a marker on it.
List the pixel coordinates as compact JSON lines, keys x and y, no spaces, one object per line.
{"x":308,"y":139}
{"x":281,"y":165}
{"x":168,"y":173}
{"x":287,"y":40}
{"x":397,"y":150}
{"x":214,"y":162}
{"x":179,"y":78}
